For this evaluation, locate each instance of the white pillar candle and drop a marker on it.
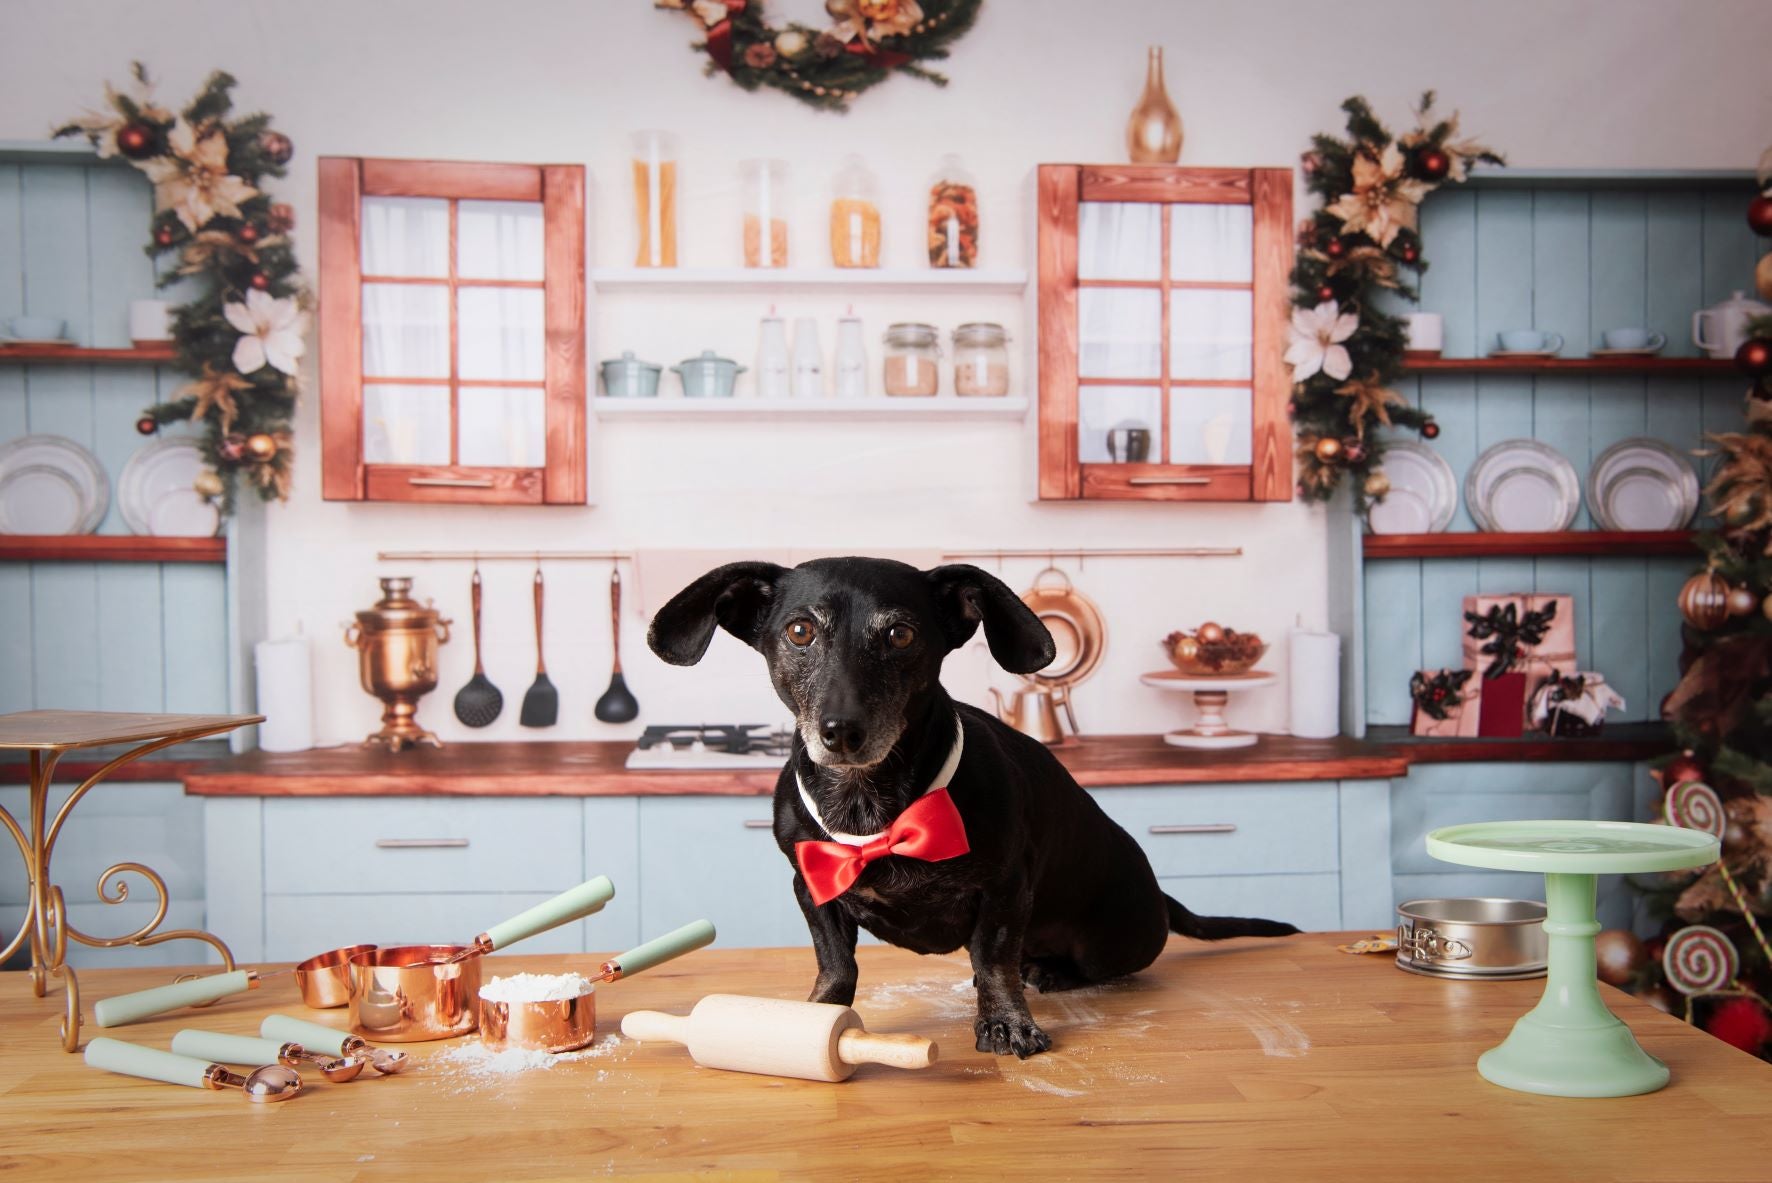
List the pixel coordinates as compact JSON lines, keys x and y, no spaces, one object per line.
{"x":285,"y":677}
{"x":1314,"y":684}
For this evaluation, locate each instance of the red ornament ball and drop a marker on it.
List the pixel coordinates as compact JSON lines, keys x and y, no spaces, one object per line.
{"x":146,"y":425}
{"x":1430,"y":430}
{"x":232,"y":447}
{"x":1759,"y":215}
{"x":1410,"y":252}
{"x":276,"y":146}
{"x":163,"y":236}
{"x":1311,"y":163}
{"x":1325,"y":294}
{"x":1432,"y":164}
{"x":247,"y":233}
{"x":1354,"y":450}
{"x":1742,"y":1023}
{"x":1618,"y":954}
{"x":136,"y":139}
{"x":1335,"y":248}
{"x":1754,"y":358}
{"x":260,"y":280}
{"x":1680,"y":769}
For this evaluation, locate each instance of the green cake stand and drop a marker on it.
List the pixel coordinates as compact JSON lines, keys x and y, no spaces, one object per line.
{"x":1570,"y":1045}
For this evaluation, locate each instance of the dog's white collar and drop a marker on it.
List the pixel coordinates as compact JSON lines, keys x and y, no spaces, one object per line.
{"x":942,"y":777}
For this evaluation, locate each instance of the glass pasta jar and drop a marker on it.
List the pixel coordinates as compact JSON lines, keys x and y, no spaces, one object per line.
{"x":953,"y":216}
{"x":855,"y":216}
{"x":655,"y":198}
{"x":981,"y":360}
{"x":765,"y":184}
{"x":913,"y":354}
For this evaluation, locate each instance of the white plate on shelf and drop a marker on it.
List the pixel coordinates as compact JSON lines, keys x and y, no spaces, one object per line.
{"x":1643,"y":351}
{"x":51,"y":485}
{"x":1424,"y":492}
{"x":156,"y":492}
{"x":1522,"y":487}
{"x":1642,"y":484}
{"x":1525,"y":353}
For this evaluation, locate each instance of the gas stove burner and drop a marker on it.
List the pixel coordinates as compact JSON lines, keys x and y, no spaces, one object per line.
{"x":712,"y":745}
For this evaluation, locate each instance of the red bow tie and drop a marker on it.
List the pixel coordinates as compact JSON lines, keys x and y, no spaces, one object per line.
{"x":930,"y":830}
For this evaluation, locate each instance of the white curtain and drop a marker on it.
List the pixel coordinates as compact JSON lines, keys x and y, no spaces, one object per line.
{"x":1211,"y":243}
{"x":406,"y":236}
{"x":405,"y":330}
{"x":1119,"y":333}
{"x":1209,"y":425}
{"x":1119,"y":240}
{"x":501,"y":334}
{"x":1211,"y":333}
{"x":499,"y":240}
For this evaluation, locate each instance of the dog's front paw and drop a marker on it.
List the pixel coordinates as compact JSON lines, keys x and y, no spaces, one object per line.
{"x":840,"y":991}
{"x":1004,"y":1036}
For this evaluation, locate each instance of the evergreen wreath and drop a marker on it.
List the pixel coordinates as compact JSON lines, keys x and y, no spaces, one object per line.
{"x":866,"y":43}
{"x":241,"y":338}
{"x":1346,"y":352}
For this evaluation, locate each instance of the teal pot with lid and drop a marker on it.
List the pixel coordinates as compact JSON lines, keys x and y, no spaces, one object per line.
{"x":629,"y":377}
{"x":707,"y":376}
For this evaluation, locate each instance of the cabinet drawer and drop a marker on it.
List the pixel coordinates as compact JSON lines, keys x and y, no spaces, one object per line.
{"x":1312,"y":902}
{"x":422,"y":844}
{"x":155,"y":824}
{"x":700,"y":858}
{"x":1244,"y":830}
{"x":299,"y":926}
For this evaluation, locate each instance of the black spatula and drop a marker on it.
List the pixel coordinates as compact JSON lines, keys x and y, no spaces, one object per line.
{"x":618,"y":704}
{"x":541,"y":704}
{"x":478,"y":703}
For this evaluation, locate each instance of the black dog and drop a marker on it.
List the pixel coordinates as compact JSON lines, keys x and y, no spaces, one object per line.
{"x":1049,"y":891}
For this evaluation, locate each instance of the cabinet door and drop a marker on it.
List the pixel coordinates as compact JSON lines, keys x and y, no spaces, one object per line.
{"x":1162,"y":319}
{"x":715,"y":857}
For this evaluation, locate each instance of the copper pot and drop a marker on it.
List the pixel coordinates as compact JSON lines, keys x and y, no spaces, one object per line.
{"x":415,"y":992}
{"x":396,"y":642}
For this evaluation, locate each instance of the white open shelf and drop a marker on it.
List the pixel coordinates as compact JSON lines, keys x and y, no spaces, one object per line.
{"x":950,"y":407}
{"x":762,"y":279}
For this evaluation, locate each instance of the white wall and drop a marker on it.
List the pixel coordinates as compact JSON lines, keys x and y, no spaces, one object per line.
{"x":1629,"y":83}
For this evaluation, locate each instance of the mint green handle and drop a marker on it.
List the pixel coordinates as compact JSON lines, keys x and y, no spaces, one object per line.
{"x":213,"y":1047}
{"x":314,"y":1037}
{"x":580,"y":902}
{"x":145,"y":1004}
{"x":149,"y":1063}
{"x":692,"y":936}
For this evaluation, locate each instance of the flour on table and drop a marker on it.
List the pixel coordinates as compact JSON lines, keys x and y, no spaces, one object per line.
{"x":476,"y":1063}
{"x":933,"y":999}
{"x":1046,"y":1086}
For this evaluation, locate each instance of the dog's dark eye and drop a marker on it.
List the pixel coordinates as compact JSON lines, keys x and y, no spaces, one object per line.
{"x":900,"y":636}
{"x":801,"y":632}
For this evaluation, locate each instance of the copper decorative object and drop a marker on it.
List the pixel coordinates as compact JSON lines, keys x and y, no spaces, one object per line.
{"x":396,"y":642}
{"x":1154,"y":132}
{"x":410,"y":993}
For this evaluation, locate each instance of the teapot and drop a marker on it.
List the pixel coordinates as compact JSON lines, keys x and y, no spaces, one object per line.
{"x":1033,"y":711}
{"x":1720,"y":329}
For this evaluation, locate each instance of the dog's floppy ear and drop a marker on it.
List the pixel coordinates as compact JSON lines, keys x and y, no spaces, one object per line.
{"x":966,"y":596}
{"x":735,"y":597}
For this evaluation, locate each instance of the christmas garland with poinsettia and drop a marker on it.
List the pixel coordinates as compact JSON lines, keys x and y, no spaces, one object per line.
{"x":1346,"y":352}
{"x":242,"y":338}
{"x":867,"y":41}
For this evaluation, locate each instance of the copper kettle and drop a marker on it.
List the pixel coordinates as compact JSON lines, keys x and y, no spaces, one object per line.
{"x":1033,"y":711}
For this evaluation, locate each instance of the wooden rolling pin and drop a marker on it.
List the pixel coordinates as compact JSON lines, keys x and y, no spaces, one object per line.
{"x":776,"y":1037}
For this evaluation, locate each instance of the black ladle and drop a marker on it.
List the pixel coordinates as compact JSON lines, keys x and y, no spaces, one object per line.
{"x":479,"y":702}
{"x":618,"y":704}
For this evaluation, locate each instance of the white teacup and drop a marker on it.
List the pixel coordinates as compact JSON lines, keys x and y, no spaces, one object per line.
{"x":1424,"y":332}
{"x":1633,"y":339}
{"x":1530,"y":341}
{"x":150,"y":321}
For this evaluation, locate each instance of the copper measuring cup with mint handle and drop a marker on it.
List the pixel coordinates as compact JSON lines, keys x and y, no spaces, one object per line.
{"x":409,"y":993}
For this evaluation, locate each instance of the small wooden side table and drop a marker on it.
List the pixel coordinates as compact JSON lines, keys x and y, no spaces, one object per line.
{"x":47,"y":735}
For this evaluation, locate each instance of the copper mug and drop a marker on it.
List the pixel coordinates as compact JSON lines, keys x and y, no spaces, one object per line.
{"x":396,"y":642}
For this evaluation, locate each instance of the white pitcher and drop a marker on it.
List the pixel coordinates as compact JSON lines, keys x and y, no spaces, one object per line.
{"x":1720,"y":329}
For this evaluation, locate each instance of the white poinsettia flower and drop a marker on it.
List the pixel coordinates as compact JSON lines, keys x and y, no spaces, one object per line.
{"x":1316,"y":345}
{"x":270,"y":332}
{"x":192,"y":179}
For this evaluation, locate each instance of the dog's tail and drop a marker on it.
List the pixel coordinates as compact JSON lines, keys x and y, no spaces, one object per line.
{"x":1218,"y":928}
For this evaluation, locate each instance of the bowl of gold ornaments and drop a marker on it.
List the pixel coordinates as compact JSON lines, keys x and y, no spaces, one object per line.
{"x":1213,"y":651}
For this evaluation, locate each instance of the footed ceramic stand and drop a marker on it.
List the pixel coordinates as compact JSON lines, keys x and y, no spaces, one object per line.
{"x":1570,"y":1045}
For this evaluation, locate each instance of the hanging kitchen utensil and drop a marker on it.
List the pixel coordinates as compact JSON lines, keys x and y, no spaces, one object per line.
{"x":541,"y":705}
{"x":479,"y":702}
{"x":319,"y":1037}
{"x":273,"y":1082}
{"x":565,"y":1025}
{"x":1079,"y":638}
{"x":618,"y":704}
{"x":246,"y":1049}
{"x":419,"y":992}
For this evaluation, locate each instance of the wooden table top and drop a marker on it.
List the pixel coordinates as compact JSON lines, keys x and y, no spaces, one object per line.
{"x":1249,"y":1059}
{"x":50,"y":730}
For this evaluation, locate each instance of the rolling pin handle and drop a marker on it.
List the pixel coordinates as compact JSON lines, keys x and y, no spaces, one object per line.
{"x":652,"y":1025}
{"x":856,"y":1046}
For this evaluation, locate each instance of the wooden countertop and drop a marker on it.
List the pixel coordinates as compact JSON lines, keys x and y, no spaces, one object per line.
{"x":1259,"y":1060}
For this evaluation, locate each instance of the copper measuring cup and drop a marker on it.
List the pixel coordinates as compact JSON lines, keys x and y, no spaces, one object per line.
{"x":411,"y":993}
{"x":325,"y":980}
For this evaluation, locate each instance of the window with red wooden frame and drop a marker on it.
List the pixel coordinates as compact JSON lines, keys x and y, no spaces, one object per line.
{"x":1163,"y":305}
{"x":452,"y":331}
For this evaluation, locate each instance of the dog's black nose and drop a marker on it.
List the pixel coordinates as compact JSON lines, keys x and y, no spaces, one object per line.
{"x":844,"y":737}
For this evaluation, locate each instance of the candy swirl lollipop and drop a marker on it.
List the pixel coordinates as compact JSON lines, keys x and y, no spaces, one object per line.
{"x":1694,"y":805}
{"x":1699,"y":960}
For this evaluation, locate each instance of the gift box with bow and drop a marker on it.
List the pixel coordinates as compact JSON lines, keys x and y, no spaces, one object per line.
{"x":1446,"y":703}
{"x":1517,"y":642}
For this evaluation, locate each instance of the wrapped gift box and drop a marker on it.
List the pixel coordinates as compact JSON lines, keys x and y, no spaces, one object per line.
{"x":1462,"y":712}
{"x":1536,"y":653}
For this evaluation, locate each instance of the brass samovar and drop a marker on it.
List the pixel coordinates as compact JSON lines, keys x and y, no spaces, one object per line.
{"x":396,"y":642}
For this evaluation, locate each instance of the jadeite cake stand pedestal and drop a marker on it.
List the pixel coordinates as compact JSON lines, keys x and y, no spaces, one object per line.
{"x":1570,"y":1045}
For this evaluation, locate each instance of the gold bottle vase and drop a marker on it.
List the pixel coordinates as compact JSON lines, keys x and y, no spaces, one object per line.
{"x":396,"y":643}
{"x":1154,"y":132}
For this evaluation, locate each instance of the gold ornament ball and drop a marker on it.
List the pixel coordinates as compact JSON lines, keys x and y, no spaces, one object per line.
{"x":877,"y":10}
{"x":791,"y":43}
{"x":1763,"y":276}
{"x":840,"y":10}
{"x":1742,"y":601}
{"x":1377,"y":485}
{"x":1329,"y":449}
{"x":1704,"y":600}
{"x":1618,"y":955}
{"x":1209,"y":633}
{"x":1186,"y":649}
{"x":261,"y":447}
{"x":207,"y":484}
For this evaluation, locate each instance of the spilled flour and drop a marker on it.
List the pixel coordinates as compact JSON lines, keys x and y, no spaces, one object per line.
{"x":1277,"y":1035}
{"x":1046,"y":1086}
{"x":936,"y":1000}
{"x":474,"y":1064}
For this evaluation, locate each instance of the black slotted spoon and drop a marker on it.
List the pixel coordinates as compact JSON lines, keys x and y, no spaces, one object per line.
{"x":479,"y":702}
{"x":541,"y":703}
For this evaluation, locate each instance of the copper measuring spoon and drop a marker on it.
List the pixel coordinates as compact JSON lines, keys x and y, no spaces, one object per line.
{"x":274,"y":1082}
{"x":247,"y":1049}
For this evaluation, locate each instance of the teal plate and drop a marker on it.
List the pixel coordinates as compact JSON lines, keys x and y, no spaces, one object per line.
{"x":1573,"y":847}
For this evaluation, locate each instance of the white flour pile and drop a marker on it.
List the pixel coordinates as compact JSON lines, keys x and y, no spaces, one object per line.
{"x":480,"y":1062}
{"x":536,"y":988}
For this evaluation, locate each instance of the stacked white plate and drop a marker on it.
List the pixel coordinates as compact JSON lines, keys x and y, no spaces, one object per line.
{"x":1424,"y":493}
{"x":51,"y":485}
{"x":1522,"y":486}
{"x":156,"y":493}
{"x":1642,"y":484}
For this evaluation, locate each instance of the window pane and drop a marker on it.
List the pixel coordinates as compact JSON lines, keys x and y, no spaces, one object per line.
{"x":1119,"y":240}
{"x":1210,"y":334}
{"x":502,"y":428}
{"x":406,"y":236}
{"x":501,"y":333}
{"x":1119,"y":333}
{"x":405,"y":330}
{"x":1118,"y":425}
{"x":405,"y":424}
{"x":1211,"y":242}
{"x":1209,"y":425}
{"x":499,"y":240}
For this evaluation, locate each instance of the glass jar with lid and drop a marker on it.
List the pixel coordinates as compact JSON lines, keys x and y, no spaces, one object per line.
{"x":981,"y":360}
{"x":913,"y":355}
{"x":765,"y":184}
{"x":855,"y":216}
{"x":953,"y":216}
